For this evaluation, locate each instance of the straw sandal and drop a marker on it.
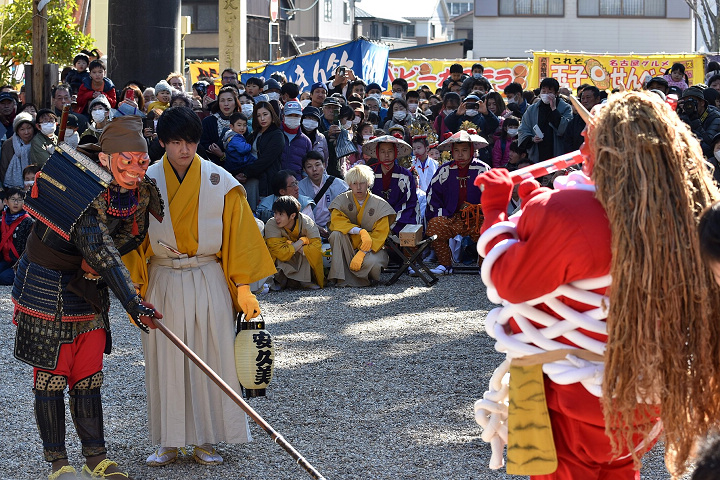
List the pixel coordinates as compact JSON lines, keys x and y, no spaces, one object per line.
{"x":162,"y":456}
{"x":203,"y":457}
{"x":63,"y":470}
{"x":99,"y":471}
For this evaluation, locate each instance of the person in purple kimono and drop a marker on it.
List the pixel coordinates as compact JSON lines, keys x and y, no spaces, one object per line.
{"x":393,"y":183}
{"x":453,"y":200}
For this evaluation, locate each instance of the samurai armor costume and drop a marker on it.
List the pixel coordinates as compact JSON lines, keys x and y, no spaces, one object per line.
{"x":61,"y":289}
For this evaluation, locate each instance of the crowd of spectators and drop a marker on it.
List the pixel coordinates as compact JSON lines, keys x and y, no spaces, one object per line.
{"x":293,"y":149}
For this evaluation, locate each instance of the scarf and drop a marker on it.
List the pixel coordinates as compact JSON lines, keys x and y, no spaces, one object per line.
{"x":20,"y":160}
{"x":222,"y":124}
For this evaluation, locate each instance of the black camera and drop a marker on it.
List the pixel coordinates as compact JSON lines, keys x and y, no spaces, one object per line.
{"x":689,"y":106}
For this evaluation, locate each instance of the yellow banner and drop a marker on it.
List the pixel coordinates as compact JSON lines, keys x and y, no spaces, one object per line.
{"x":433,"y":73}
{"x":610,"y":71}
{"x":212,"y":70}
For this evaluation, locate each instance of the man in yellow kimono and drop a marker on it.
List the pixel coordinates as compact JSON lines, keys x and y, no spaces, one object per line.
{"x":198,"y":264}
{"x":360,"y":223}
{"x":294,"y":243}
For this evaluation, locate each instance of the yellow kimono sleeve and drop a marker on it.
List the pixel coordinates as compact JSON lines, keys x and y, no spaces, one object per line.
{"x":379,"y":233}
{"x":245,"y":257}
{"x":280,"y":249}
{"x":136,"y":263}
{"x":339,"y":222}
{"x":313,"y":253}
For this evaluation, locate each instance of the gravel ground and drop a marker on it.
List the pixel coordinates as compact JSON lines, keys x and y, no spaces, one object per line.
{"x":374,"y":383}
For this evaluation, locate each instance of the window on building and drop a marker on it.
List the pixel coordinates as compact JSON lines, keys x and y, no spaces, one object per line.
{"x":375,"y":31}
{"x":408,"y":31}
{"x":620,"y":8}
{"x":547,"y":8}
{"x":432,"y":31}
{"x":203,"y":16}
{"x":328,"y":10}
{"x":346,"y":11}
{"x":457,"y":8}
{"x":385,"y":30}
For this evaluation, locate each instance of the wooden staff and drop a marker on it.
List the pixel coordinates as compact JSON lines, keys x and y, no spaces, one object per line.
{"x":63,"y":123}
{"x":276,"y":437}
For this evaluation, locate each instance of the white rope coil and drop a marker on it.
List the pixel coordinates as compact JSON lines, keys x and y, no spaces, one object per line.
{"x":540,"y":333}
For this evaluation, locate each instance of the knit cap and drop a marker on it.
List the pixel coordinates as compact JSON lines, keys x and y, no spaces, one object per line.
{"x":163,"y":86}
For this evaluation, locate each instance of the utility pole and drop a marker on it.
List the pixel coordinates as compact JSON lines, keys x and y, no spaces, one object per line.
{"x":39,"y":56}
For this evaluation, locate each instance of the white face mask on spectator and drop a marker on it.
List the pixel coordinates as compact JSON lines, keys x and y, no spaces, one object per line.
{"x":477,"y":75}
{"x":428,"y":112}
{"x":471,"y":113}
{"x":511,"y":100}
{"x":366,"y":137}
{"x":545,"y":97}
{"x":397,"y":95}
{"x":310,"y":124}
{"x":273,"y":96}
{"x":512,"y":131}
{"x":292,"y":122}
{"x":98,"y":115}
{"x":241,"y":91}
{"x":247,"y":109}
{"x":399,"y":115}
{"x":356,"y":121}
{"x":448,"y":111}
{"x":348,"y":125}
{"x":47,"y":128}
{"x":717,"y":155}
{"x":412,"y":107}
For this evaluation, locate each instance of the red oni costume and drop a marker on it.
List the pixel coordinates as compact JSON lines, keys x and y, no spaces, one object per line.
{"x":549,"y":267}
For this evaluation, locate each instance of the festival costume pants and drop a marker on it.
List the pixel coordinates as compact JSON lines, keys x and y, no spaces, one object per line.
{"x":79,"y":362}
{"x":446,"y":228}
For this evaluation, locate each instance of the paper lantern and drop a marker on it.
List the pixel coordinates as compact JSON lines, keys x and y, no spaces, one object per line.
{"x":254,"y":356}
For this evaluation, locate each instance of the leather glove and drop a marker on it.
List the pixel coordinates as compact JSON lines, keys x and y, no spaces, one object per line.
{"x":248,"y":302}
{"x":366,"y":240}
{"x":305,"y":240}
{"x":357,"y":261}
{"x":497,"y":187}
{"x":142,"y":314}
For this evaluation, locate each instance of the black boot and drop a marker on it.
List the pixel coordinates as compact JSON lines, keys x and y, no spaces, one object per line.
{"x":50,"y":417}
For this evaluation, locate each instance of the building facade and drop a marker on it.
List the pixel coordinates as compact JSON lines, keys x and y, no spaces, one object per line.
{"x":512,"y":28}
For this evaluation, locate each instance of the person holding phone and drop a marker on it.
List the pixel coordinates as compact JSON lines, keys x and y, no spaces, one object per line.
{"x":133,"y":102}
{"x":551,"y":116}
{"x":339,"y":82}
{"x":474,"y":109}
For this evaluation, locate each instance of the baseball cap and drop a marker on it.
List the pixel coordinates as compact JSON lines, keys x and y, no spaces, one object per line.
{"x":292,"y":107}
{"x":316,"y":86}
{"x":331,"y":101}
{"x":7,"y":96}
{"x":311,"y":111}
{"x":693,"y":92}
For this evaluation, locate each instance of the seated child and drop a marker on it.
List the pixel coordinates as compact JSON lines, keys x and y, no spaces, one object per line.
{"x":15,"y":227}
{"x":294,"y":244}
{"x":238,"y":152}
{"x":424,"y":168}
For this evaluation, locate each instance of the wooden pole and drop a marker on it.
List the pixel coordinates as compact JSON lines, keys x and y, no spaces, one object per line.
{"x":39,"y":57}
{"x":235,"y":397}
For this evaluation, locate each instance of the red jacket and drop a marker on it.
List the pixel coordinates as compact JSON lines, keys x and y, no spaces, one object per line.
{"x":85,"y":94}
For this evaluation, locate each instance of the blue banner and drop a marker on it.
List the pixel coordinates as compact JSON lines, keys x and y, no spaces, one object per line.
{"x":366,"y":59}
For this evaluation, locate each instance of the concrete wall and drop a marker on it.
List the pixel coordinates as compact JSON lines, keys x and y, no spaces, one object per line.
{"x":496,"y":36}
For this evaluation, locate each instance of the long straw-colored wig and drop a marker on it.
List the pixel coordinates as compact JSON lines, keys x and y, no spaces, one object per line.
{"x":663,"y":325}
